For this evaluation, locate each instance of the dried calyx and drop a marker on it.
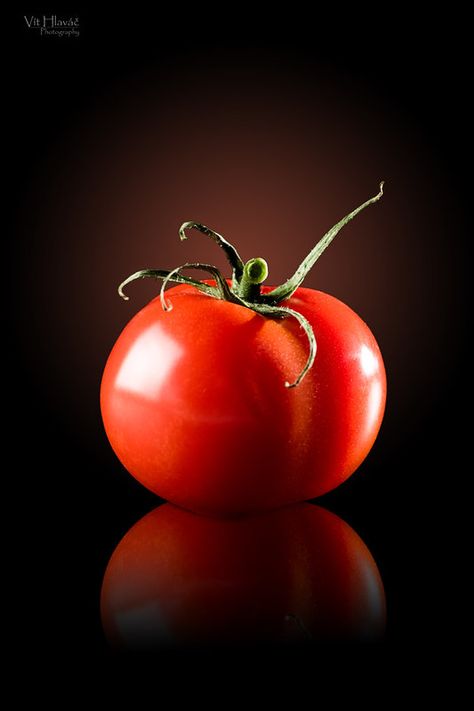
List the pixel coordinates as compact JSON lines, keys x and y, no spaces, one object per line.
{"x":244,"y":289}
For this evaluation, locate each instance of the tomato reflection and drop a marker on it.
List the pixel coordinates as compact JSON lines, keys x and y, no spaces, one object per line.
{"x":295,"y":574}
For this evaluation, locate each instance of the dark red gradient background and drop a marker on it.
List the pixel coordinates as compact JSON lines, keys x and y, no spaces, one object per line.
{"x":270,"y":139}
{"x":270,"y":160}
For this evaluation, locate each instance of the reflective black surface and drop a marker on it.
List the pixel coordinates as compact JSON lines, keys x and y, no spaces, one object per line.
{"x":294,"y":575}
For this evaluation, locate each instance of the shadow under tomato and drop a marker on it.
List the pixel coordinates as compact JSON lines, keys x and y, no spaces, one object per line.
{"x":297,"y":574}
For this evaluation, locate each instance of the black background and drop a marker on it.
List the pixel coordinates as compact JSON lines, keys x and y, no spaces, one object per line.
{"x":71,"y":502}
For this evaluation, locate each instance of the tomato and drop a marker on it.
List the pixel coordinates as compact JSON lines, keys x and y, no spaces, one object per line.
{"x":195,"y":405}
{"x":295,"y":574}
{"x":229,"y":397}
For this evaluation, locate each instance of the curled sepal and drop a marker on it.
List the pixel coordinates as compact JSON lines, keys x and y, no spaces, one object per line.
{"x":164,"y":274}
{"x":231,"y":253}
{"x":221,"y":291}
{"x":283,"y":312}
{"x":284,"y":291}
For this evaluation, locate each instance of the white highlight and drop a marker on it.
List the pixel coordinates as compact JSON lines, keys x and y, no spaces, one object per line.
{"x":148,"y":363}
{"x":368,"y":361}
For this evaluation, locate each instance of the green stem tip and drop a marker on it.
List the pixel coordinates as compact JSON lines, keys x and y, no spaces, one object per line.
{"x":254,"y":273}
{"x":256,"y":270}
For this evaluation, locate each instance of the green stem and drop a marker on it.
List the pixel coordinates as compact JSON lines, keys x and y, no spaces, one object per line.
{"x":255,"y":272}
{"x":231,"y":253}
{"x":221,"y":292}
{"x":163,"y":274}
{"x":284,"y":291}
{"x":283,"y":312}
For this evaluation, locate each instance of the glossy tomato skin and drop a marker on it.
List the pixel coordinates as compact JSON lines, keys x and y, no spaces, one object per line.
{"x":288,"y":575}
{"x":195,"y":406}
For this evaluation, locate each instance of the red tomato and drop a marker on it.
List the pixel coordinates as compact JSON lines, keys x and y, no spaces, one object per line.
{"x":294,"y":574}
{"x":195,"y":405}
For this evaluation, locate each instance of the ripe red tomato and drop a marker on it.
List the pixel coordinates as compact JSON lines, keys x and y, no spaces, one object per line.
{"x":195,"y":406}
{"x":196,"y":396}
{"x":290,"y":575}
